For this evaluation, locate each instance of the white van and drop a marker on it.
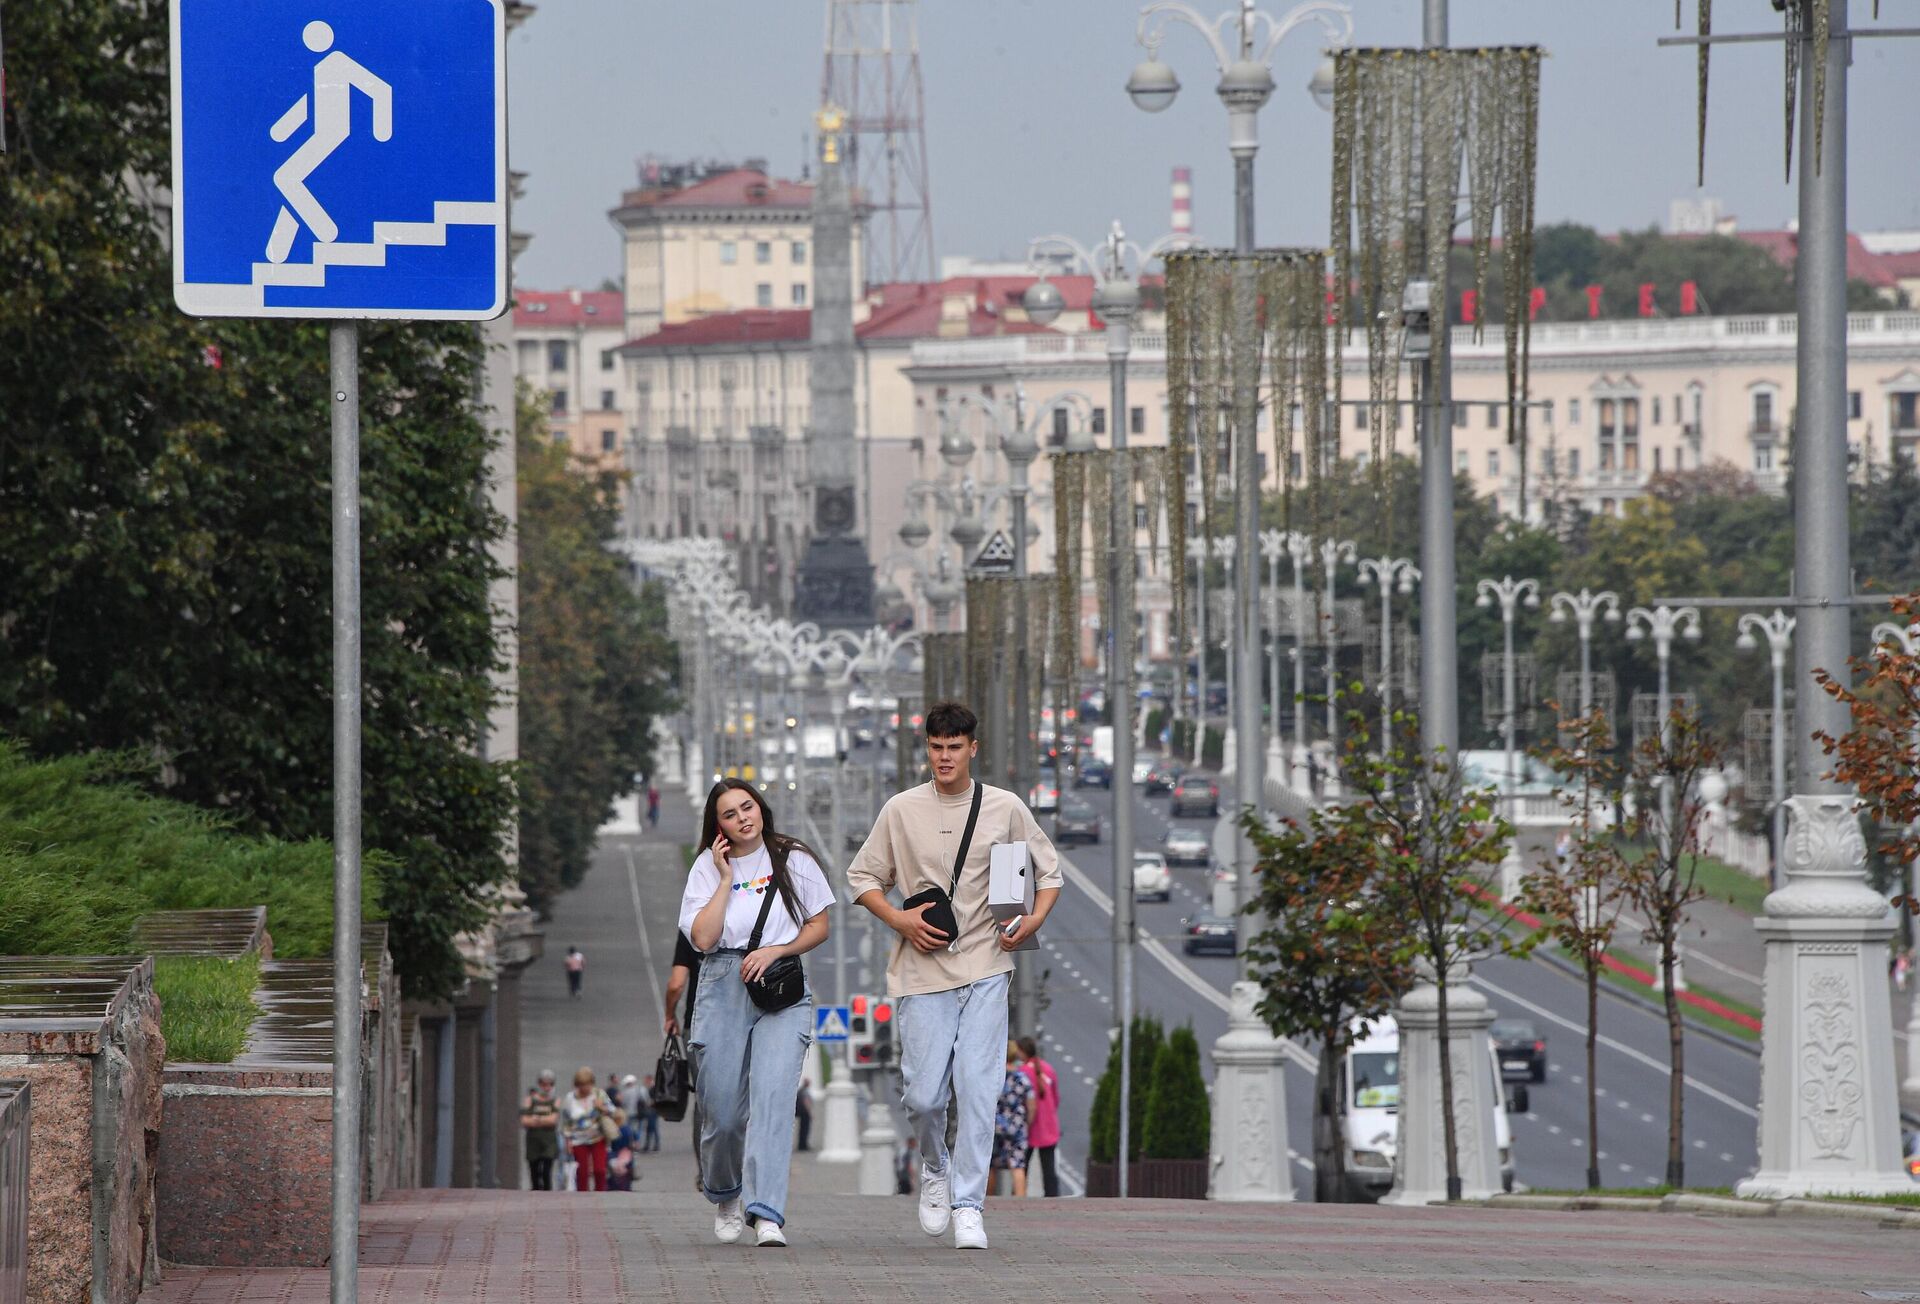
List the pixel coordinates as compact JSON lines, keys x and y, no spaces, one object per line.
{"x":1370,"y":1100}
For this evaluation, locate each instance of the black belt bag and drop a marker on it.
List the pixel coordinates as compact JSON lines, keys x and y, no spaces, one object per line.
{"x":939,"y":903}
{"x":784,"y":982}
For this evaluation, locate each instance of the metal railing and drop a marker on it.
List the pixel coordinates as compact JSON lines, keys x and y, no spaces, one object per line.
{"x":16,"y":1107}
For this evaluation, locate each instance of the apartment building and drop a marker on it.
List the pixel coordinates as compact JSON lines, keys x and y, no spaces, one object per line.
{"x":566,"y":349}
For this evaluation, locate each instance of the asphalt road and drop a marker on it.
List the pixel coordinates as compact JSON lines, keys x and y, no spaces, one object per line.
{"x":1550,"y":1145}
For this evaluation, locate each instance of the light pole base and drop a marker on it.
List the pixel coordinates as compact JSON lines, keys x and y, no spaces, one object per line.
{"x":840,"y":1129}
{"x":1249,"y":1151}
{"x":1512,"y":871}
{"x":696,"y":770}
{"x":1420,"y":1169}
{"x":878,"y":1143}
{"x":1229,"y":752}
{"x":1302,"y":773}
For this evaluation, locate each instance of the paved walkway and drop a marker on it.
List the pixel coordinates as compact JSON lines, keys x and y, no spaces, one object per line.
{"x":525,"y":1248}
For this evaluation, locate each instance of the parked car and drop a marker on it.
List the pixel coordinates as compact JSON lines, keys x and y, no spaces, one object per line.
{"x":1196,"y":794}
{"x":1152,"y":880}
{"x":860,"y":699}
{"x":1142,"y":767}
{"x":1094,"y":773}
{"x":1209,"y":934}
{"x":1044,"y":796}
{"x":1370,"y":1098}
{"x":1162,"y":777}
{"x":864,"y":733}
{"x":1076,"y":822}
{"x":1186,"y":846}
{"x":1521,"y":1048}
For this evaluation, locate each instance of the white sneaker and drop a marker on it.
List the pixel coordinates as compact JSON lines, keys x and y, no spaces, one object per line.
{"x":969,"y":1230}
{"x":729,"y":1220}
{"x":934,"y":1211}
{"x":771,"y":1236}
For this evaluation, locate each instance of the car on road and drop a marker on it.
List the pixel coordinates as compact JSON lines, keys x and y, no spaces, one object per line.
{"x":1208,"y":934}
{"x":1044,"y":796}
{"x":1076,"y":822}
{"x":1521,"y":1048}
{"x":1186,"y":846}
{"x":1370,"y":1098}
{"x":1162,"y":777}
{"x":1142,"y":767}
{"x":1152,"y":880}
{"x":1093,"y":773}
{"x":1196,"y":794}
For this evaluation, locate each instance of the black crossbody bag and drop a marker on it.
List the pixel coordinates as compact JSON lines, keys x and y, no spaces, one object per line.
{"x":784,"y":982}
{"x":941,"y":915}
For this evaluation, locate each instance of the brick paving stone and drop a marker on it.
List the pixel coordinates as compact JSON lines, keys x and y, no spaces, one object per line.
{"x":493,"y":1247}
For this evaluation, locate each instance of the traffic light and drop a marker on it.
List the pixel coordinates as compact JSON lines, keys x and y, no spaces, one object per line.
{"x":883,"y":1031}
{"x":860,"y":1034}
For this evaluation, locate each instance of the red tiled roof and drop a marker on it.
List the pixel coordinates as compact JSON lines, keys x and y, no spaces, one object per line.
{"x":740,"y":188}
{"x":568,"y":308}
{"x":1862,"y":263}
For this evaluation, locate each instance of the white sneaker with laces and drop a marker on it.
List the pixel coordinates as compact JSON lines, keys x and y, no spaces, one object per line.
{"x":934,"y":1211}
{"x":969,"y":1230}
{"x":729,"y":1221}
{"x":771,"y":1236}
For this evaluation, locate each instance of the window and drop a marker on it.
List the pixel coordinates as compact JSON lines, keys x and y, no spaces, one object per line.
{"x":1605,"y":413}
{"x":1546,"y":410}
{"x":607,"y":440}
{"x":1493,"y":416}
{"x":1493,"y":463}
{"x":1137,"y":421}
{"x":763,"y":295}
{"x":556,"y":355}
{"x":559,"y":436}
{"x":1293,"y":466}
{"x":606,"y":359}
{"x":1139,"y":516}
{"x":1573,"y":411}
{"x":1573,"y":462}
{"x":1655,"y":420}
{"x":729,"y":252}
{"x":1656,"y":455}
{"x":1763,"y":458}
{"x":1762,"y":411}
{"x":1459,"y":416}
{"x":1679,"y":413}
{"x":799,"y":252}
{"x":1060,"y":420}
{"x":763,"y":251}
{"x":1099,"y":421}
{"x":799,"y":294}
{"x":529,"y":356}
{"x":606,"y":400}
{"x":1629,"y":418}
{"x":1629,"y":457}
{"x":557,"y":403}
{"x":1460,"y":459}
{"x":1853,"y":405}
{"x":1606,"y":456}
{"x":1905,"y":412}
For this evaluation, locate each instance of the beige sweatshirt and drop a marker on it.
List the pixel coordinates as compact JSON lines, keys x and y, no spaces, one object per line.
{"x":912,"y":847}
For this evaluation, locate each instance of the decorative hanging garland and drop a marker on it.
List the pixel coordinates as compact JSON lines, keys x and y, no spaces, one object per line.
{"x":1802,"y":18}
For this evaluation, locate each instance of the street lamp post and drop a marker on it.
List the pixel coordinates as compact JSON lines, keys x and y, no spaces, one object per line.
{"x":1332,"y":553}
{"x":1389,"y":573}
{"x":1510,"y":593}
{"x":1273,"y":546}
{"x":1299,"y":551}
{"x":1583,"y":606}
{"x":1226,"y":549}
{"x":1663,"y":622}
{"x":1887,"y":635}
{"x":1778,"y":629}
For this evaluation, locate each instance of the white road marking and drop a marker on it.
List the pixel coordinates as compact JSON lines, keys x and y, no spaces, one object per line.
{"x":1644,"y":1118}
{"x":1712,"y":1093}
{"x":1725,"y":1158}
{"x":640,"y":925}
{"x":1554,"y":1128}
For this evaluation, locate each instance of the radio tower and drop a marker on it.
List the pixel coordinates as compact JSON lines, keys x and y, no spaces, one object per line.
{"x":872,"y":74}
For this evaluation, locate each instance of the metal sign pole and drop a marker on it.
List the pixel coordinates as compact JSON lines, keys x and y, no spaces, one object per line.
{"x":344,"y":358}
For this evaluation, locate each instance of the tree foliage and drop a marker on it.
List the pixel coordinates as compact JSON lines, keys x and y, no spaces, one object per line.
{"x":595,"y":665}
{"x":1179,"y":1123}
{"x":1879,"y":758}
{"x":1103,"y":1120}
{"x":164,"y":508}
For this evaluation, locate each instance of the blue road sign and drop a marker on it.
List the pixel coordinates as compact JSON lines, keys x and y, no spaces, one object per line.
{"x":340,"y":158}
{"x":830,"y":1023}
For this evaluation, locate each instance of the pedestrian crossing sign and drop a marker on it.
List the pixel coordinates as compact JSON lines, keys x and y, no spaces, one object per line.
{"x":340,"y":158}
{"x":830,"y":1023}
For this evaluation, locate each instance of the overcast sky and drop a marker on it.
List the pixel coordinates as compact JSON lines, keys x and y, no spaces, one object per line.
{"x":1029,"y":129}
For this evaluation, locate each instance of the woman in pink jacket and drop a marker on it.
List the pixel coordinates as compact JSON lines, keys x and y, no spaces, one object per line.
{"x":1043,"y":1128}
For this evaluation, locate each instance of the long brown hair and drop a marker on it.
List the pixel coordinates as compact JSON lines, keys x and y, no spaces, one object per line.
{"x":779,"y":845}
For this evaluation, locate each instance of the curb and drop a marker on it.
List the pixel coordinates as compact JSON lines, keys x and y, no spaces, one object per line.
{"x":1709,"y":1206}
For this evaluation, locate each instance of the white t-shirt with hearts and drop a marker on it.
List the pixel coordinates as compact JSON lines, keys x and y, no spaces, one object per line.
{"x":752,"y":880}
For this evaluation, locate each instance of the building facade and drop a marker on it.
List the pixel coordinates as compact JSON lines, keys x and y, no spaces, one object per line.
{"x":567,"y":351}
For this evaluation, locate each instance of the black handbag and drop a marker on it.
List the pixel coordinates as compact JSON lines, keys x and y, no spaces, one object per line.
{"x":672,"y":1081}
{"x":940,"y":902}
{"x":785,"y":982}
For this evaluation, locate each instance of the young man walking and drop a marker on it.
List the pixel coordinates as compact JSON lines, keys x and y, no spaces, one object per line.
{"x":950,"y":993}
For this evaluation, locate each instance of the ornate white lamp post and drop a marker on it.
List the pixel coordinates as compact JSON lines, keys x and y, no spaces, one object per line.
{"x":1389,"y":573}
{"x":1583,"y":607}
{"x":1663,"y":622}
{"x":1509,"y":593}
{"x":1778,"y":629}
{"x":1332,"y":553}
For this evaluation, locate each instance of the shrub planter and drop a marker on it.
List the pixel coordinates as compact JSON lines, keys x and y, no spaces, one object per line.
{"x":1152,"y":1179}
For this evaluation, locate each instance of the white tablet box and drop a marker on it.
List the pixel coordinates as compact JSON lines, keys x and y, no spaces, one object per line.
{"x":1010,"y":886}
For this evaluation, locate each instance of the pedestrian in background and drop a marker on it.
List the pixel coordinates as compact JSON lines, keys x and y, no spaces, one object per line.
{"x":1011,"y":1121}
{"x":1043,"y":1132}
{"x":540,"y":1121}
{"x":749,"y":1057}
{"x":650,"y":1120}
{"x":803,"y":1111}
{"x":576,"y":970}
{"x":589,"y":1119}
{"x":653,"y":807}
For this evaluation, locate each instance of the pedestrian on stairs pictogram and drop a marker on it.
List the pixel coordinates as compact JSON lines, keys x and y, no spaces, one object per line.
{"x":340,"y":158}
{"x":995,"y":556}
{"x":830,"y":1023}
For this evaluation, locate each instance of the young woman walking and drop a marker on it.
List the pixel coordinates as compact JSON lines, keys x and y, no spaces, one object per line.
{"x":755,"y":898}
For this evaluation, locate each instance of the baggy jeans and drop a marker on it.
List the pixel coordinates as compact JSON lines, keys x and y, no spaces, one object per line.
{"x":955,"y":1041}
{"x":746,"y":1069}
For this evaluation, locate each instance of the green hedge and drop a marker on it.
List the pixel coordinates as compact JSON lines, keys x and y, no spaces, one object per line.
{"x":1103,"y":1120}
{"x":1179,"y":1121}
{"x":1212,"y":750}
{"x":83,"y":854}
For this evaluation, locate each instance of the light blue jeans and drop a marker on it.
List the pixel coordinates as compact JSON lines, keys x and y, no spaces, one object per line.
{"x":746,"y":1072}
{"x":955,"y":1040}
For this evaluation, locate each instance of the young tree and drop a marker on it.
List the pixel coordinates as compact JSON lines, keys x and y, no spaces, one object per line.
{"x":1439,"y":846}
{"x":1581,"y":899}
{"x":1663,"y":884}
{"x":1328,"y":958}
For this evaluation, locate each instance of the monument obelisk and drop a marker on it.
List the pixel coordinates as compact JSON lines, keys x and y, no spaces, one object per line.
{"x":835,"y":588}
